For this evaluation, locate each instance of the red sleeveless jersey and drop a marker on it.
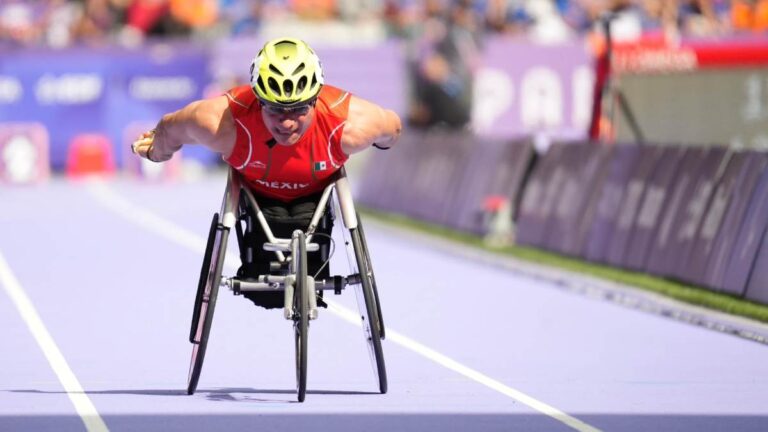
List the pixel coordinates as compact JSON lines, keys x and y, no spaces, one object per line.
{"x":288,"y":172}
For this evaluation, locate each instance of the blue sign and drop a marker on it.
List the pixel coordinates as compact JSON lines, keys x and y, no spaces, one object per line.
{"x":79,"y":91}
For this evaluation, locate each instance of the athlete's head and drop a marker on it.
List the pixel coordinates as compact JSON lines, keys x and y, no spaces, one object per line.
{"x":287,"y":77}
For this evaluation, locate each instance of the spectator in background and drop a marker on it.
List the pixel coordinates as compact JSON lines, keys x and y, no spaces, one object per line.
{"x":313,"y":9}
{"x":194,"y":14}
{"x":697,"y":18}
{"x":749,"y":16}
{"x":22,"y":22}
{"x":547,"y":24}
{"x":242,"y":17}
{"x":100,"y":19}
{"x":506,"y":16}
{"x":443,"y":67}
{"x":359,"y":10}
{"x":150,"y":18}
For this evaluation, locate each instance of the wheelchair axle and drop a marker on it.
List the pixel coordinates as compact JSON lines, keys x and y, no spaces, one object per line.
{"x":277,"y":283}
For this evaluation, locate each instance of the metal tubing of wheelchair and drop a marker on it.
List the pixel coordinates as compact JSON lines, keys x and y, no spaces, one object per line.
{"x":319,"y":212}
{"x":346,"y":203}
{"x":230,"y":201}
{"x":288,"y":299}
{"x":264,"y":225}
{"x":279,"y":247}
{"x":312,"y":298}
{"x":277,"y":283}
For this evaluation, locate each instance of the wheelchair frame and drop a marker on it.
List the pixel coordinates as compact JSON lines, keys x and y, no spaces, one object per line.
{"x":300,"y":289}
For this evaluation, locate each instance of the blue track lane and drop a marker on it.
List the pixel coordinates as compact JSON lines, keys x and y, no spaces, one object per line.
{"x":117,"y":297}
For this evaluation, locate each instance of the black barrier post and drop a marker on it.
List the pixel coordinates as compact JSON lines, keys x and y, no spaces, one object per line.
{"x":602,"y":77}
{"x":629,"y":116}
{"x":604,"y":87}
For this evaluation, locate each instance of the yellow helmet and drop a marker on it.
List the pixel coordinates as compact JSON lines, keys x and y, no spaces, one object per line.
{"x":286,"y":72}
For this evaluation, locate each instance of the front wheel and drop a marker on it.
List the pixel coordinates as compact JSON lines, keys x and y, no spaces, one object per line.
{"x":300,"y":312}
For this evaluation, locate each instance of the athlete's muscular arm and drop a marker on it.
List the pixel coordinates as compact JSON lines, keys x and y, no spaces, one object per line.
{"x":368,"y":124}
{"x":207,"y":122}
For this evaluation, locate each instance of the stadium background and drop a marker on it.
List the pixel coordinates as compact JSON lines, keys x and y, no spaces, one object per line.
{"x":518,"y":129}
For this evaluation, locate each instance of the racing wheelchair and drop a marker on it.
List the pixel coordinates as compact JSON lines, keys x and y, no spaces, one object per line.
{"x":288,"y":274}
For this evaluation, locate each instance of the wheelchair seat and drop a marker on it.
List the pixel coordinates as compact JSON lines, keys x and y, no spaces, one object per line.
{"x":282,"y":218}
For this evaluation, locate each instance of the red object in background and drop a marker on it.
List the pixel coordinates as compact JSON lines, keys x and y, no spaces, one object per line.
{"x":741,"y":54}
{"x":657,"y":56}
{"x":145,"y":14}
{"x":494,"y":203}
{"x":602,"y":74}
{"x":90,"y":154}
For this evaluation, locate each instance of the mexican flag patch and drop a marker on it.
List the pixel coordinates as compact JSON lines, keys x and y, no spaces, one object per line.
{"x":320,"y":166}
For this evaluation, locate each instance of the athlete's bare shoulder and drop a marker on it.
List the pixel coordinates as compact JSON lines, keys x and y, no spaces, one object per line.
{"x":368,"y":123}
{"x":213,"y":124}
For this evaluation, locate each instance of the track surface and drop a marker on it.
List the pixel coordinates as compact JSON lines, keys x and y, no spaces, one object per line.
{"x":109,"y":270}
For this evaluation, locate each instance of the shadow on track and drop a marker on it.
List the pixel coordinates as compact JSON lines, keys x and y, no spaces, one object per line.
{"x":213,"y":394}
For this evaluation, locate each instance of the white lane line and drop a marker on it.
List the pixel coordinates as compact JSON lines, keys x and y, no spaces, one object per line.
{"x":449,"y":363}
{"x":149,"y":221}
{"x":83,"y":405}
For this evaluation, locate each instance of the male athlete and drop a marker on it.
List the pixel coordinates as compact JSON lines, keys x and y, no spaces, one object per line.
{"x":286,"y":133}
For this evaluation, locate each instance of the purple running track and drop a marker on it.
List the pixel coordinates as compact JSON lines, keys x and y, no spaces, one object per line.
{"x":116,"y":297}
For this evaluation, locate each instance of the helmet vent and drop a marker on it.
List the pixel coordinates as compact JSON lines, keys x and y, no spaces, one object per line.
{"x":301,"y":85}
{"x":273,"y":85}
{"x":314,"y":81}
{"x":288,"y":87}
{"x":260,"y":83}
{"x":275,"y":70}
{"x":299,"y":69}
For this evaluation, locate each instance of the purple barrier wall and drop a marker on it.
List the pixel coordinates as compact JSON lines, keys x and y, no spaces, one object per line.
{"x":379,"y":179}
{"x":748,"y":241}
{"x":662,"y":250}
{"x":725,"y":191}
{"x":654,"y":201}
{"x":465,"y":207}
{"x":515,"y":160}
{"x":735,"y":216}
{"x":538,"y":201}
{"x":624,"y":159}
{"x":570,"y":197}
{"x":593,"y":177}
{"x":757,"y":288}
{"x":494,"y":168}
{"x":630,"y":203}
{"x":691,"y":219}
{"x":439,"y":171}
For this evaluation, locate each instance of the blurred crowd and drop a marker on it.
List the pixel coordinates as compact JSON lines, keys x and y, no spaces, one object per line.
{"x":443,"y":38}
{"x":60,"y":23}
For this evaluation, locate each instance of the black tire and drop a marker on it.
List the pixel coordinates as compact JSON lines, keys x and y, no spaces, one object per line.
{"x":372,"y":331}
{"x":379,"y":316}
{"x":301,"y":316}
{"x":205,"y":300}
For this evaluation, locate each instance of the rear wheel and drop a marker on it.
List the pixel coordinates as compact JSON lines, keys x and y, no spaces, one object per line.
{"x":369,"y":310}
{"x":300,"y":313}
{"x":205,"y":299}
